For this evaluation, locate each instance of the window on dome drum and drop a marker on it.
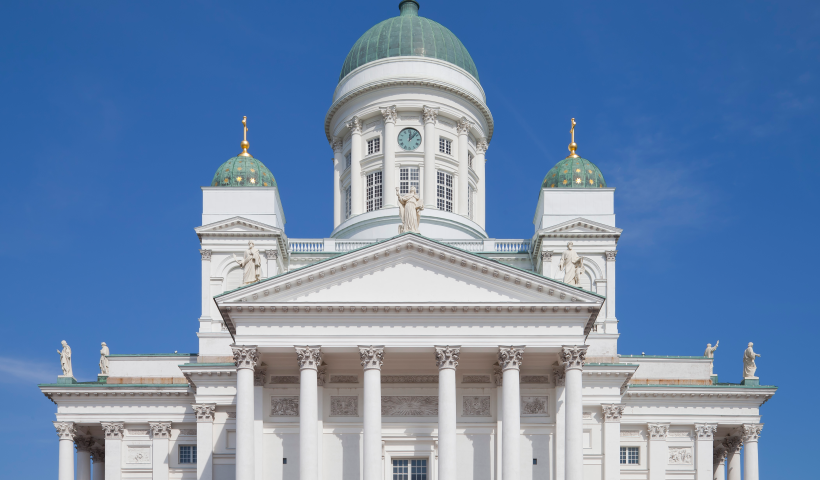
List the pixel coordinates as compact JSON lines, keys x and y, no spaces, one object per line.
{"x":444,"y":191}
{"x":408,"y":177}
{"x":373,"y":145}
{"x":470,"y":202}
{"x":374,"y":191}
{"x":470,"y":159}
{"x":445,"y":146}
{"x":187,"y":454}
{"x":410,"y":469}
{"x":347,"y":202}
{"x":347,"y":160}
{"x":630,"y":455}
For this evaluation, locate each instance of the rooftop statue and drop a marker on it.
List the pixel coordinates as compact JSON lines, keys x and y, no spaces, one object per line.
{"x":65,"y":360}
{"x":572,"y":265}
{"x":409,"y":207}
{"x":104,"y":352}
{"x":710,"y":353}
{"x":251,"y":264}
{"x":749,"y":367}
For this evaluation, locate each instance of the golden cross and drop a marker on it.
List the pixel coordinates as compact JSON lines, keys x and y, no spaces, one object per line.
{"x":245,"y":127}
{"x":571,"y":130}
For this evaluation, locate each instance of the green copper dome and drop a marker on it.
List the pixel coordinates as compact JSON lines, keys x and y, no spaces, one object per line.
{"x":574,"y":172}
{"x":408,"y":35}
{"x":243,"y":171}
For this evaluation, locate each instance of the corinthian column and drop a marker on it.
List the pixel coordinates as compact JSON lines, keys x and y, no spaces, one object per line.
{"x":356,"y":190}
{"x":559,"y":375}
{"x":83,"y":444}
{"x":612,"y":440}
{"x":751,"y":432}
{"x":389,"y":158}
{"x":66,"y":432}
{"x":430,"y":149}
{"x":98,"y":459}
{"x":733,"y":447}
{"x":372,"y":359}
{"x":204,"y":440}
{"x":481,"y":187}
{"x":113,"y":449}
{"x":309,"y":359}
{"x":447,"y":361}
{"x":338,"y":168}
{"x":245,"y":358}
{"x":573,"y":356}
{"x":704,"y":450}
{"x":463,"y":128}
{"x":509,"y":359}
{"x":719,"y":463}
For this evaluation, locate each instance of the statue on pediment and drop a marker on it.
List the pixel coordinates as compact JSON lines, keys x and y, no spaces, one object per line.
{"x":104,"y":352}
{"x":65,"y":360}
{"x":410,"y":206}
{"x":572,"y":265}
{"x":251,"y":265}
{"x":749,"y":367}
{"x":710,"y":353}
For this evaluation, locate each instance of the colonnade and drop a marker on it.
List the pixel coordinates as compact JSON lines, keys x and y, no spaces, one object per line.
{"x":727,"y":454}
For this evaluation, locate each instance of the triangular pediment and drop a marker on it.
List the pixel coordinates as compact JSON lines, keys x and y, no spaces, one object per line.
{"x":409,"y":269}
{"x":580,"y":226}
{"x":237,"y":226}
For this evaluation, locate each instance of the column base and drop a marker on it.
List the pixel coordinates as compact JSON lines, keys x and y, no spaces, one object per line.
{"x":754,"y":381}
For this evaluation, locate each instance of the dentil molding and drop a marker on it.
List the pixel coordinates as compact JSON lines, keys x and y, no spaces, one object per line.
{"x":447,"y":357}
{"x":371,"y":357}
{"x":510,"y":357}
{"x":309,"y":357}
{"x":245,"y":356}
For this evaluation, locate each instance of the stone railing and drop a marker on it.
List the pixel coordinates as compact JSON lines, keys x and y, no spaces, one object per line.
{"x":332,"y":245}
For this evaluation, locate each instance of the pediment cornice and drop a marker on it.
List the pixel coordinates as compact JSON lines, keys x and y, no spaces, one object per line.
{"x":579,"y":228}
{"x":238,"y":227}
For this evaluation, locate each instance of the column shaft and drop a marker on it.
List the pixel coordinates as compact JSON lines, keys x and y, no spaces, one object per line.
{"x":447,"y":361}
{"x":430,"y":149}
{"x":161,"y":433}
{"x":338,"y":168}
{"x":245,"y":358}
{"x":389,"y":159}
{"x":463,"y":128}
{"x":479,"y":164}
{"x":204,"y":441}
{"x":113,"y":449}
{"x":309,"y":359}
{"x":719,"y":464}
{"x":98,"y":471}
{"x":658,"y":451}
{"x":560,"y":429}
{"x":356,"y":188}
{"x":83,"y":465}
{"x":612,"y":441}
{"x":371,"y":359}
{"x":733,"y":447}
{"x":510,"y":359}
{"x":610,"y":286}
{"x":206,"y":286}
{"x":704,"y":451}
{"x":751,"y":433}
{"x":65,"y":432}
{"x":573,"y":357}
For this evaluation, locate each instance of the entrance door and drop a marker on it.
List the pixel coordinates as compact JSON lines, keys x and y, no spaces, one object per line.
{"x":410,"y":469}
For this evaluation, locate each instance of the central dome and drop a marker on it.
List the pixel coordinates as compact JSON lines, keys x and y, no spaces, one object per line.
{"x":408,"y":35}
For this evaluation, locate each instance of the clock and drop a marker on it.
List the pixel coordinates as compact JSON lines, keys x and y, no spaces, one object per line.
{"x":409,"y":139}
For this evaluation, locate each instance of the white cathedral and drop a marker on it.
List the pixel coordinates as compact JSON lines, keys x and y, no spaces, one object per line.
{"x":408,"y":345}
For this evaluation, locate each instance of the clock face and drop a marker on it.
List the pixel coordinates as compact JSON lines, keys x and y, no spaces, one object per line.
{"x":409,"y":139}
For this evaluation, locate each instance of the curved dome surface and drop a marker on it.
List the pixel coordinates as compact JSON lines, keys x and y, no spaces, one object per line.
{"x":405,"y":36}
{"x":574,"y":172}
{"x":243,"y":171}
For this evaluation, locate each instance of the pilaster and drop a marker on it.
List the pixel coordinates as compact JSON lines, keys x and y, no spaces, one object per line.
{"x":704,"y":450}
{"x":430,"y":148}
{"x":479,"y":163}
{"x":113,"y":449}
{"x":338,"y":167}
{"x":546,"y":263}
{"x":658,"y":450}
{"x":612,"y":414}
{"x":204,"y":440}
{"x":463,"y":127}
{"x":389,"y":140}
{"x":160,"y":434}
{"x":356,"y":189}
{"x":205,"y":316}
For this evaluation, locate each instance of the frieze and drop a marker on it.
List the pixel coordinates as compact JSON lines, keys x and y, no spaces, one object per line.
{"x":680,"y":456}
{"x":231,"y":414}
{"x":409,"y":406}
{"x":630,"y":433}
{"x":344,"y":406}
{"x":134,"y":432}
{"x":678,"y":435}
{"x":284,"y":379}
{"x":284,"y":406}
{"x":187,"y":431}
{"x":344,"y":379}
{"x":476,"y":406}
{"x":534,"y":405}
{"x":534,"y":379}
{"x":409,"y":378}
{"x":475,"y":379}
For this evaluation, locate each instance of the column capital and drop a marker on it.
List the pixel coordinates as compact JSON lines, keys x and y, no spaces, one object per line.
{"x":337,"y":144}
{"x":309,"y":357}
{"x":613,"y":412}
{"x":573,"y":356}
{"x":245,"y":356}
{"x":113,"y":430}
{"x":204,"y":412}
{"x":751,"y":432}
{"x":98,"y":454}
{"x":733,"y":444}
{"x":206,"y":254}
{"x":160,"y":429}
{"x":447,"y":357}
{"x":559,"y":376}
{"x":371,"y":357}
{"x":429,"y":113}
{"x":705,"y":431}
{"x":498,"y":375}
{"x":718,"y":455}
{"x":546,"y":255}
{"x":510,"y":357}
{"x":658,"y":431}
{"x":259,"y":376}
{"x":481,"y":146}
{"x":389,"y":113}
{"x":463,"y":126}
{"x":83,"y":443}
{"x":354,"y":124}
{"x":271,"y":254}
{"x":65,"y":430}
{"x":610,"y":255}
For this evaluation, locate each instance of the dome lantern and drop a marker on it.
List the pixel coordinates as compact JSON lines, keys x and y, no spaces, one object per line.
{"x":574,"y":171}
{"x":243,"y":170}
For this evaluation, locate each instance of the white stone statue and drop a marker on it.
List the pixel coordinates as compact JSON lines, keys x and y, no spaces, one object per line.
{"x":104,"y":352}
{"x":251,"y":264}
{"x":749,"y":367}
{"x":572,"y":265}
{"x":65,"y":360}
{"x":710,"y":353}
{"x":409,"y":207}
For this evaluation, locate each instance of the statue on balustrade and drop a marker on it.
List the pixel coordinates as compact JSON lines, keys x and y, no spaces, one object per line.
{"x":409,"y":207}
{"x":710,"y":353}
{"x":104,"y":352}
{"x":251,"y":265}
{"x":65,"y":360}
{"x":749,"y":367}
{"x":572,"y":265}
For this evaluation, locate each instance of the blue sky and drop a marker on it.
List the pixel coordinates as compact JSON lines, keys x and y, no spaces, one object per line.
{"x":703,"y":115}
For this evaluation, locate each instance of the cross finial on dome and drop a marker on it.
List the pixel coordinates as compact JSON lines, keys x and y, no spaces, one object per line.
{"x":245,"y":143}
{"x":572,"y":146}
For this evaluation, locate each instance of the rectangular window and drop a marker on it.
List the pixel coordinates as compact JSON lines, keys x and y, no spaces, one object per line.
{"x":187,"y":454}
{"x":630,"y":455}
{"x":347,"y":160}
{"x":444,"y":191}
{"x":410,"y":469}
{"x":373,"y":145}
{"x":470,"y":159}
{"x":374,"y":191}
{"x":408,"y":177}
{"x":348,"y":202}
{"x":444,"y":145}
{"x":470,"y":202}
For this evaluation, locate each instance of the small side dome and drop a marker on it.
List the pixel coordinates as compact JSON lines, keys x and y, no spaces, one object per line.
{"x":243,"y":172}
{"x":574,"y":172}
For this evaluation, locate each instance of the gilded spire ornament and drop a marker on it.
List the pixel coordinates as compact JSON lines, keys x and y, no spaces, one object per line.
{"x":245,"y":143}
{"x":572,"y":146}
